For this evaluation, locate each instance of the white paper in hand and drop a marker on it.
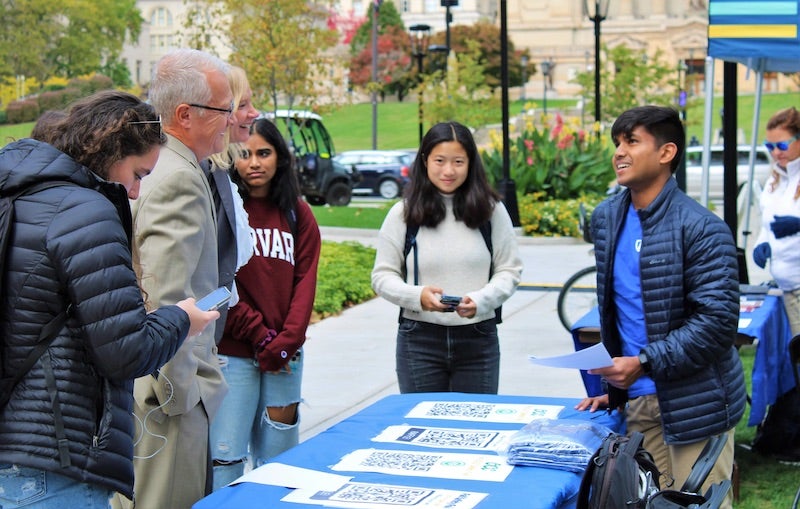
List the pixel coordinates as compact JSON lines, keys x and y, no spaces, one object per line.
{"x":595,"y":356}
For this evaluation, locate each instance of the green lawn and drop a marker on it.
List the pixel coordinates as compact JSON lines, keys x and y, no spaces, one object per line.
{"x":398,"y":124}
{"x":356,"y":215}
{"x":11,"y":132}
{"x":398,"y":127}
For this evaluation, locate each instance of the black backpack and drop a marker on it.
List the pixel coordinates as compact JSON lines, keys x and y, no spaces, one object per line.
{"x":9,"y":380}
{"x":620,"y":474}
{"x":779,"y":434}
{"x":411,"y":243}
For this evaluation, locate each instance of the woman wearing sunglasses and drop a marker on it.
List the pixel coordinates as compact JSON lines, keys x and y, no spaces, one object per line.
{"x":779,"y":239}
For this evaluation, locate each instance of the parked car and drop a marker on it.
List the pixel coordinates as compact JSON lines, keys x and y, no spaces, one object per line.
{"x":383,"y":172}
{"x":322,"y":179}
{"x":694,"y":169}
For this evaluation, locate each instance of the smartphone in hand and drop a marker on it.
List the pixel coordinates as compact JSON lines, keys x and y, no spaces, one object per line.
{"x":215,"y":299}
{"x":450,"y":300}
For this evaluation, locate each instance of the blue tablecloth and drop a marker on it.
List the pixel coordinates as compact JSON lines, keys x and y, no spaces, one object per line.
{"x":525,"y":487}
{"x":772,"y":371}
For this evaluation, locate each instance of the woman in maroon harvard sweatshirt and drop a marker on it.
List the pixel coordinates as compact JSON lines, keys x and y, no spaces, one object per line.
{"x":260,"y":350}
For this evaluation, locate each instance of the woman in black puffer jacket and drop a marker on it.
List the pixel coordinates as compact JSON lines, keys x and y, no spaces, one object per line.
{"x":66,"y":432}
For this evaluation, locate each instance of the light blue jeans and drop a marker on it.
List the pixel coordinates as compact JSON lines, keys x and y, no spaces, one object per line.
{"x":32,"y":488}
{"x":242,"y":425}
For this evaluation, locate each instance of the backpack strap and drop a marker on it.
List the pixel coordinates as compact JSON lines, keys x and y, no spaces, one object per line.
{"x":586,"y":481}
{"x":410,"y":243}
{"x":291,"y":218}
{"x":486,"y":232}
{"x":46,"y":337}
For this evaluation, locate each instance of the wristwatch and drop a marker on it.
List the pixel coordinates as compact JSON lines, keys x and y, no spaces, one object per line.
{"x":645,"y":362}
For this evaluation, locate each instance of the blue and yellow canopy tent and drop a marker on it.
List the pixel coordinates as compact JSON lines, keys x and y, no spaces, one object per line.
{"x":763,"y":36}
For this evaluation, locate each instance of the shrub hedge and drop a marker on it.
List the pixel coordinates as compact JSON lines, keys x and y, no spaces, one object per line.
{"x":343,"y":278}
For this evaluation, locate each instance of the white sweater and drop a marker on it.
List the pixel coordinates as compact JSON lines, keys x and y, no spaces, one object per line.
{"x":451,"y":256}
{"x":784,"y":265}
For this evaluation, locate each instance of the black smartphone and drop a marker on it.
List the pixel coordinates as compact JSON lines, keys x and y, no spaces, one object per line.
{"x":215,"y":299}
{"x":450,"y":300}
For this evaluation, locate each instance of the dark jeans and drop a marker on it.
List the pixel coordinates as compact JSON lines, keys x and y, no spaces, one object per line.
{"x":437,"y":358}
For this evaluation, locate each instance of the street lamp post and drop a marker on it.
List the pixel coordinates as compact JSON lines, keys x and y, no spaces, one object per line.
{"x":547,"y":66}
{"x":448,"y":18}
{"x":420,"y":35}
{"x":524,"y":62}
{"x":597,"y":16}
{"x":682,"y":89}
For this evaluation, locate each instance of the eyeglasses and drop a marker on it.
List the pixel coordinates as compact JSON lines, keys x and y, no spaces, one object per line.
{"x":783,"y":146}
{"x":228,"y":111}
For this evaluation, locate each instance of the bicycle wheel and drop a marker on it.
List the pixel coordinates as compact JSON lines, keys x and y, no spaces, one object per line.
{"x":577,"y":297}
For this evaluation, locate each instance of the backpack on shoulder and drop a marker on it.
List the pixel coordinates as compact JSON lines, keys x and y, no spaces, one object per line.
{"x":620,"y":474}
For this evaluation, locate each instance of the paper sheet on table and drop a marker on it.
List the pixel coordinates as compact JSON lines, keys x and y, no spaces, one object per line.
{"x":447,"y":465}
{"x":448,"y":438}
{"x":376,"y":496}
{"x":279,"y":474}
{"x":483,"y":412}
{"x":596,"y":356}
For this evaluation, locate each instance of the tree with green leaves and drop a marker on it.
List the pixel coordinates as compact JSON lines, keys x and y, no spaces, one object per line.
{"x":487,"y":37}
{"x":67,"y":38}
{"x":284,"y":46}
{"x":387,"y":17}
{"x":394,"y":59}
{"x":394,"y":64}
{"x":630,"y":78}
{"x":463,"y":95}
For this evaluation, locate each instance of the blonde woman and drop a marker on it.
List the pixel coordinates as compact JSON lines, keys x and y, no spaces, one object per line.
{"x":778,"y":240}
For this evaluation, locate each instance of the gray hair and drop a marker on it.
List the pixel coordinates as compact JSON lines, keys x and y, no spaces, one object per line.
{"x":181,"y":78}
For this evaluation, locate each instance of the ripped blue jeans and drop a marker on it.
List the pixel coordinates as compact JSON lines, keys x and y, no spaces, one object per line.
{"x":242,"y":428}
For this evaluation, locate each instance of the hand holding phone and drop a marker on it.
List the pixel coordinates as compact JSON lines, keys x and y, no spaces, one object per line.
{"x":214,"y":300}
{"x":450,"y":300}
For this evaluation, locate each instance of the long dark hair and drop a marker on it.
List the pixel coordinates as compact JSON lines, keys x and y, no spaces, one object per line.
{"x":284,"y":190}
{"x":473,"y":201}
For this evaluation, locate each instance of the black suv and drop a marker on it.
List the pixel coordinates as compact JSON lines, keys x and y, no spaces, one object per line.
{"x":322,"y":180}
{"x":383,"y":172}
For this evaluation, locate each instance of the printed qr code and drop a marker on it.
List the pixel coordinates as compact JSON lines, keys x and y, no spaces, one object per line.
{"x":389,"y":495}
{"x":479,"y":410}
{"x":401,"y":461}
{"x":454,"y":439}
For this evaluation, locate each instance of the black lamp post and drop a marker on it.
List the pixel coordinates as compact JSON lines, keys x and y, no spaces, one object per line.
{"x":682,"y":96}
{"x":597,"y":16}
{"x":547,"y":66}
{"x":420,"y":35}
{"x":448,"y":18}
{"x":523,"y":60}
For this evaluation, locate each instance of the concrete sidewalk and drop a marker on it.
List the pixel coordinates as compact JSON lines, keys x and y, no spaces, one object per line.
{"x":349,"y":360}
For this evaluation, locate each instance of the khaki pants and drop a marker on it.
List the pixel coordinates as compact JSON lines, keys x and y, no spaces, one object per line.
{"x":675,"y":461}
{"x":175,"y":476}
{"x":791,"y":302}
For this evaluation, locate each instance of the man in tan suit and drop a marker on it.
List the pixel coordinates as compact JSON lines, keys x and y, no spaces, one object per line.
{"x":175,"y":236}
